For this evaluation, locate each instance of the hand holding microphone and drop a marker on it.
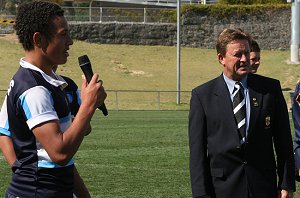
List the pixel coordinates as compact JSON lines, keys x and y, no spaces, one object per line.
{"x":86,"y":67}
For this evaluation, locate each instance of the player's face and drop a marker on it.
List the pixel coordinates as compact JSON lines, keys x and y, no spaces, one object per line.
{"x":254,"y":61}
{"x":57,"y":48}
{"x":236,"y":59}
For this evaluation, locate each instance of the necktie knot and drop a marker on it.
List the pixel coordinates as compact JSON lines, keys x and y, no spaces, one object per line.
{"x":237,"y":86}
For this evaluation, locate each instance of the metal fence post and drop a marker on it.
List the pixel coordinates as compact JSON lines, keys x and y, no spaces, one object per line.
{"x":158,"y":100}
{"x":100,"y":15}
{"x":90,"y":11}
{"x":145,"y":17}
{"x":117,"y":107}
{"x":178,"y":52}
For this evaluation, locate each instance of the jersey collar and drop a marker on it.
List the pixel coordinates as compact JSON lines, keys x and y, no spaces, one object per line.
{"x":56,"y":80}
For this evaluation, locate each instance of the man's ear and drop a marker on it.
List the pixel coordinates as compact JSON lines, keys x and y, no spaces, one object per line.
{"x":38,"y":40}
{"x":221,"y":59}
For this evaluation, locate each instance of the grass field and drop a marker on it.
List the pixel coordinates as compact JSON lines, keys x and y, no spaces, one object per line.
{"x":133,"y":154}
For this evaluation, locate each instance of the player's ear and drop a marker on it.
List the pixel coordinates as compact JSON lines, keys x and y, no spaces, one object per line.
{"x":39,"y":40}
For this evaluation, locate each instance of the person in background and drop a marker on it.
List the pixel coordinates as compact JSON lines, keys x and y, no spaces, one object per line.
{"x":73,"y":96}
{"x":296,"y":121}
{"x":35,"y":112}
{"x":254,"y":56}
{"x":235,"y":122}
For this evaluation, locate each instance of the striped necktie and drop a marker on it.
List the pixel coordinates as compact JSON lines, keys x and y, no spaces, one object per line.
{"x":239,"y":110}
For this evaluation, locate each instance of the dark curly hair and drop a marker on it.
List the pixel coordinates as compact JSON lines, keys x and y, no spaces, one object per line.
{"x":35,"y":17}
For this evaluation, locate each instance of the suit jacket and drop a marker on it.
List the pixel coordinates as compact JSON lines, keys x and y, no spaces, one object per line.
{"x":219,"y":165}
{"x":296,"y":119}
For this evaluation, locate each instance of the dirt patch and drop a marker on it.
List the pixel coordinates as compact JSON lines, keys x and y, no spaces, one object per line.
{"x":119,"y":67}
{"x":10,"y":37}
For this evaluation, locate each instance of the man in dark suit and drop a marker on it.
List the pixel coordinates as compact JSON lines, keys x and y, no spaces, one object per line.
{"x":231,"y":143}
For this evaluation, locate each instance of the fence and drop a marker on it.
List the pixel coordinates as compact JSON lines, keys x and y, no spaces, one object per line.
{"x":6,"y":28}
{"x":107,"y":14}
{"x":121,"y":14}
{"x":151,"y":100}
{"x":113,"y":14}
{"x":140,"y":100}
{"x":186,"y":1}
{"x":147,"y":100}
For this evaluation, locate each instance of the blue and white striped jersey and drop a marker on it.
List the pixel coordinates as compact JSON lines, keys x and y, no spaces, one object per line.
{"x":33,"y":98}
{"x":73,"y":95}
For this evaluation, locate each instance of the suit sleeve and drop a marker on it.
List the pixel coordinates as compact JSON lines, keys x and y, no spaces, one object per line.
{"x":199,"y":163}
{"x":283,"y":143}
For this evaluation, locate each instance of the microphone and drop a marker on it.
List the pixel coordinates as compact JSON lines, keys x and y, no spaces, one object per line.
{"x":86,"y":67}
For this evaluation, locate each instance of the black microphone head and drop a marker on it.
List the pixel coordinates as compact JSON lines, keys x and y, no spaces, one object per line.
{"x":83,"y":60}
{"x":86,"y":67}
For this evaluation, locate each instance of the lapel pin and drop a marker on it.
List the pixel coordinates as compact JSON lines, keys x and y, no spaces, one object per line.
{"x":268,"y":121}
{"x":255,"y":103}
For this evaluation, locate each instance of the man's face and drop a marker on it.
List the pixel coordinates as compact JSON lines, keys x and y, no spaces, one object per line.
{"x":254,"y":61}
{"x":56,"y":50}
{"x":236,"y":60}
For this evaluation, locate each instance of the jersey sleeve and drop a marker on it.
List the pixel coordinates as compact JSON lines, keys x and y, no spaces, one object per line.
{"x":4,"y":125}
{"x":38,"y":106}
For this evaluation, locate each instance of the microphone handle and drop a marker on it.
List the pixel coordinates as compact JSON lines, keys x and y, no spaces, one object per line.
{"x":88,"y":73}
{"x":103,"y":109}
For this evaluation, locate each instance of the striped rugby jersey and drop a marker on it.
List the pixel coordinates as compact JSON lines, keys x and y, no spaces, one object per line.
{"x":33,"y":98}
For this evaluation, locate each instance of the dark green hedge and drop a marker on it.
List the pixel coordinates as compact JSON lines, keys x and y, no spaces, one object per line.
{"x":221,"y":10}
{"x":251,"y":2}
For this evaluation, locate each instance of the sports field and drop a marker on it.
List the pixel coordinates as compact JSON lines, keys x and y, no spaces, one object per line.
{"x":132,"y":154}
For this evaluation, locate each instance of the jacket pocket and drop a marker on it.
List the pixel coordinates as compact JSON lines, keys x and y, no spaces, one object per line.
{"x":217,"y":172}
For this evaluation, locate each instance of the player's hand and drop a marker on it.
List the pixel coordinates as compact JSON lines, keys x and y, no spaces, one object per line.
{"x":92,"y":94}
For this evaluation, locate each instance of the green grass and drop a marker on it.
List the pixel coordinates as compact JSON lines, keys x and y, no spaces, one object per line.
{"x":133,"y":154}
